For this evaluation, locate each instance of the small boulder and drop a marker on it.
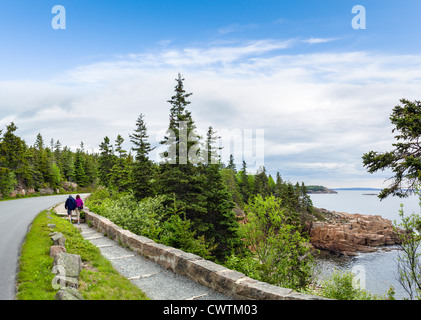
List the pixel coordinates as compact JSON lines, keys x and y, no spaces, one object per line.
{"x":68,"y":293}
{"x":55,"y":250}
{"x":66,"y":264}
{"x":58,"y":239}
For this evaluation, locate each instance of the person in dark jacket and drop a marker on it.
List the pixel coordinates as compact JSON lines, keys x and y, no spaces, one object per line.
{"x":70,"y":205}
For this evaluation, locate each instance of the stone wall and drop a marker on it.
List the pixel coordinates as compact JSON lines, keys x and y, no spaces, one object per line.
{"x":207,"y":273}
{"x":66,"y":267}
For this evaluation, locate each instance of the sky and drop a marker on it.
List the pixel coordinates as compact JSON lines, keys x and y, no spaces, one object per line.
{"x":304,"y":88}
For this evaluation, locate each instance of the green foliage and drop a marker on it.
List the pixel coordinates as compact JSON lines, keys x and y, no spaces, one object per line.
{"x":7,"y":181}
{"x":179,"y":232}
{"x":409,"y":263}
{"x":142,"y":173}
{"x":279,"y":252}
{"x":55,"y":170}
{"x":149,"y":218}
{"x":343,"y":286}
{"x":229,"y":179}
{"x":40,"y":166}
{"x":404,"y":160}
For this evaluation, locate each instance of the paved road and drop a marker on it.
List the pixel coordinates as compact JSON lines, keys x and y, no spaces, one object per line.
{"x":15,"y":218}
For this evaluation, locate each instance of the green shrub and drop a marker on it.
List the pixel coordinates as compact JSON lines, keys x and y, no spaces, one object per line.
{"x":150,"y":218}
{"x":177,"y":232}
{"x":278,"y":246}
{"x":342,"y":286}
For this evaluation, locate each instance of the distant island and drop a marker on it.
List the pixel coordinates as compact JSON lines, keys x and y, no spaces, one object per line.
{"x":359,"y":189}
{"x":319,"y":189}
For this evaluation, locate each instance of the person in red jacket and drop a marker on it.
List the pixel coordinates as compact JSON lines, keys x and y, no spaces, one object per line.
{"x":79,"y":207}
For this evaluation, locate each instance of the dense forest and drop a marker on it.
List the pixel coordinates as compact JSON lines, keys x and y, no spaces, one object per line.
{"x":42,"y":166}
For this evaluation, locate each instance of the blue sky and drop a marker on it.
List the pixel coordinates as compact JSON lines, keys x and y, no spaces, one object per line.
{"x":321,"y":90}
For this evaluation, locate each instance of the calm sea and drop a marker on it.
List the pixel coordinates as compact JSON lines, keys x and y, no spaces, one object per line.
{"x":376,"y":271}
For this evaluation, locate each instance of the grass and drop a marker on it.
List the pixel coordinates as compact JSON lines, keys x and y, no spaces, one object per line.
{"x":98,"y":279}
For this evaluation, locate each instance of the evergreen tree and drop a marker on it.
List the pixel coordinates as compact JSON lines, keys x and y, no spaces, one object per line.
{"x":43,"y":164}
{"x":231,"y":164}
{"x":278,"y":186}
{"x":105,"y":161}
{"x":404,"y":160}
{"x":80,"y":175}
{"x":178,"y":175}
{"x":7,"y":181}
{"x":91,"y":168}
{"x":120,"y":172}
{"x":243,"y":183}
{"x":12,"y":149}
{"x":220,"y":219}
{"x":261,"y":183}
{"x":122,"y":154}
{"x":67,"y":164}
{"x":142,"y":174}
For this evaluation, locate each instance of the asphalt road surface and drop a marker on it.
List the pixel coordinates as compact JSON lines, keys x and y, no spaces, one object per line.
{"x":15,"y":218}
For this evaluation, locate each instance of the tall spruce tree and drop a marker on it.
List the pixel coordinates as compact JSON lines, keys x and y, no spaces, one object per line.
{"x":142,"y":168}
{"x":120,"y":171}
{"x":80,"y":175}
{"x":243,"y":183}
{"x":106,"y":161}
{"x":220,"y":219}
{"x":179,"y":176}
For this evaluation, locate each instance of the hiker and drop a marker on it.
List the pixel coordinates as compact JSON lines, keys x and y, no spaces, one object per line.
{"x":79,"y":207}
{"x":70,"y":205}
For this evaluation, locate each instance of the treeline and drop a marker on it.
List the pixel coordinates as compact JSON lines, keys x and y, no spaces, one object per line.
{"x":40,"y":165}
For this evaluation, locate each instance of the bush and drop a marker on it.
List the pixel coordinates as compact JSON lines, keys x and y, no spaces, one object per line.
{"x":142,"y":218}
{"x":278,"y":252}
{"x":178,"y":232}
{"x":342,"y":286}
{"x":150,"y":218}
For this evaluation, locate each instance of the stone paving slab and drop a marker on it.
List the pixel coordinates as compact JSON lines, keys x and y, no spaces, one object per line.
{"x":155,"y":281}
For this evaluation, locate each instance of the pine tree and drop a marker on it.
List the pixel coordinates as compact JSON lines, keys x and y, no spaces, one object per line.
{"x":178,"y":174}
{"x":231,"y":164}
{"x":220,"y":220}
{"x":43,"y":164}
{"x":142,"y":168}
{"x":91,"y":168}
{"x":261,"y":183}
{"x":12,"y":149}
{"x":105,"y":161}
{"x":80,"y":175}
{"x":243,"y":183}
{"x":67,"y":164}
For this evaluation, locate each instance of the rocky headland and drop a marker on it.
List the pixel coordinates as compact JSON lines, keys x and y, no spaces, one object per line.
{"x":347,"y":234}
{"x":320,"y":189}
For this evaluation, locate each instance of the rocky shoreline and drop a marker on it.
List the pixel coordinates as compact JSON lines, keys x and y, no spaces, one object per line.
{"x":348,"y":234}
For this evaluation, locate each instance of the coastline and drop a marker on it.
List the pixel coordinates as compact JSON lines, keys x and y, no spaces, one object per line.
{"x":349,"y":234}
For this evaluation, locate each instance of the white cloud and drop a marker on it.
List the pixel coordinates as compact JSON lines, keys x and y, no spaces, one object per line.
{"x":324,"y":110}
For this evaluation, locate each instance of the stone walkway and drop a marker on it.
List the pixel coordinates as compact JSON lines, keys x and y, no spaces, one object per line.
{"x":155,"y":281}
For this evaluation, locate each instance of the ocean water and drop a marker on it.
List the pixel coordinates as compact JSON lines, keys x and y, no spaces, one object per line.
{"x":376,"y":271}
